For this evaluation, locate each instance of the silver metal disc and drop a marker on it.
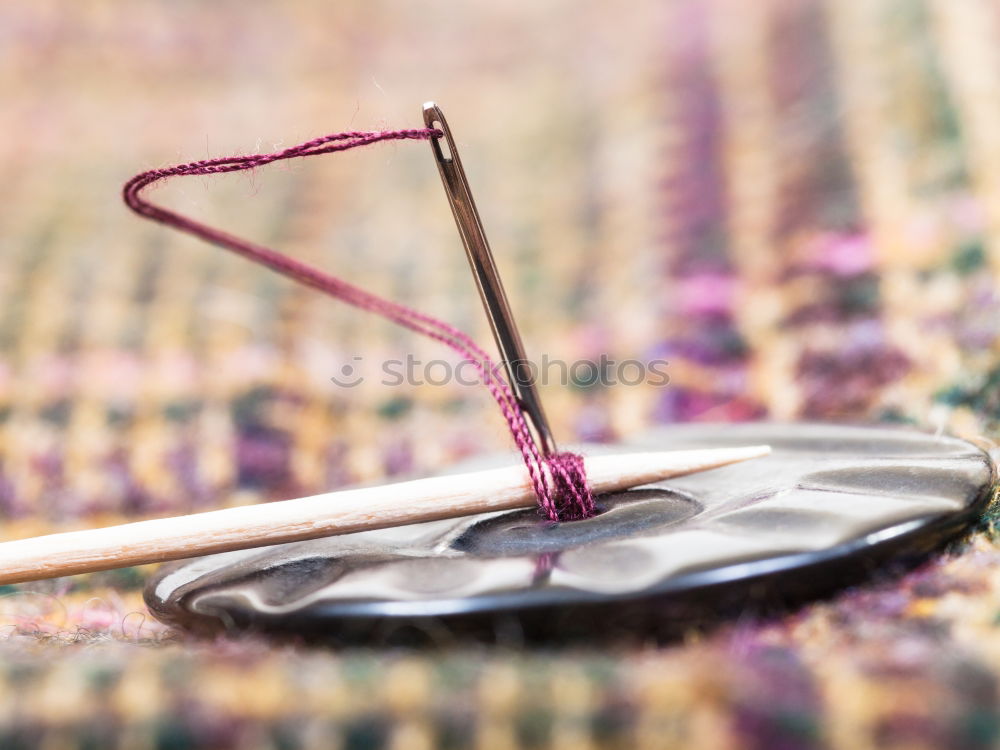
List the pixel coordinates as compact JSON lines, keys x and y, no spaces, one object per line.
{"x":831,"y":504}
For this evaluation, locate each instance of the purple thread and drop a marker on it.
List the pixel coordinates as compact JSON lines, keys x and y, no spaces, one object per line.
{"x":559,"y":481}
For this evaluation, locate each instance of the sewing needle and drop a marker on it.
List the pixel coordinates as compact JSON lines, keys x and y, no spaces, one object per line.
{"x":477,"y":249}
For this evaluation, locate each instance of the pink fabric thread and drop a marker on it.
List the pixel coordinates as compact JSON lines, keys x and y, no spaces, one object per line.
{"x":559,"y":481}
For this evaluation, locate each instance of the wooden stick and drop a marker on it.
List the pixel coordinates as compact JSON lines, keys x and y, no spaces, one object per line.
{"x":333,"y":513}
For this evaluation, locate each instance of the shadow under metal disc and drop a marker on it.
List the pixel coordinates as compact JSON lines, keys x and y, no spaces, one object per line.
{"x":828,"y":506}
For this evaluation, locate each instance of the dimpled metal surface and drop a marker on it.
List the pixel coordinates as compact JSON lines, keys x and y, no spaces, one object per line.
{"x":828,"y":495}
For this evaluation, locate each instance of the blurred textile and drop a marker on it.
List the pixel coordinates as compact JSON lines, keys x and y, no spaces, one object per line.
{"x":794,"y":202}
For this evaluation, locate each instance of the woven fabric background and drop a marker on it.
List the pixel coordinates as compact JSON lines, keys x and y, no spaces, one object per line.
{"x":795,"y":202}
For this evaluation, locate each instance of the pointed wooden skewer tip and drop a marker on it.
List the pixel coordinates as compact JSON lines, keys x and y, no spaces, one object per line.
{"x":341,"y":512}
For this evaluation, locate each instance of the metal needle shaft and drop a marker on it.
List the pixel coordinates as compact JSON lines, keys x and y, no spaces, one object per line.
{"x":470,"y":227}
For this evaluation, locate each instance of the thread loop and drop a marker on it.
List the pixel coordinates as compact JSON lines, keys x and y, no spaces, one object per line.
{"x":559,"y":480}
